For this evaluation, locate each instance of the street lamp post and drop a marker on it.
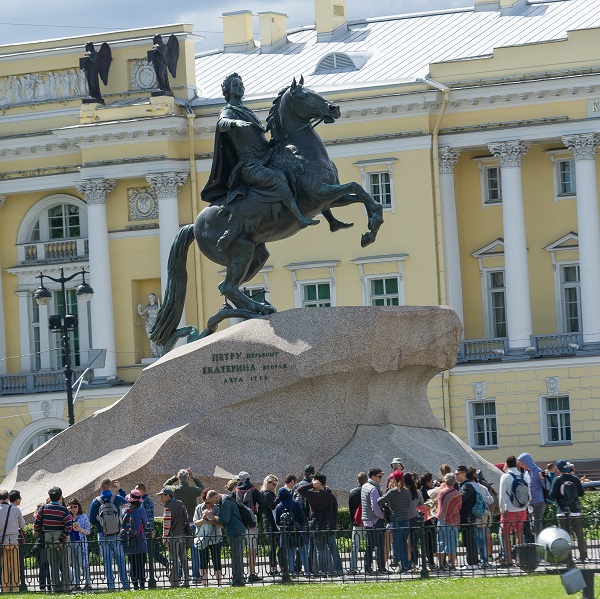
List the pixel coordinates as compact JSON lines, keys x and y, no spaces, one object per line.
{"x":65,"y":322}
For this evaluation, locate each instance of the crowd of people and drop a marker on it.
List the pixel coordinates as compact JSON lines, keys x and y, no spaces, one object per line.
{"x":395,"y":523}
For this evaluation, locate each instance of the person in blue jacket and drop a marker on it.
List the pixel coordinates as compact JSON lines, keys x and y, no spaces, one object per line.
{"x":539,"y":487}
{"x":289,"y":512}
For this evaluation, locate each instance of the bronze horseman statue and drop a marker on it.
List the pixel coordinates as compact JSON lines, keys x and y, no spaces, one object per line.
{"x":96,"y":66}
{"x":164,"y":58}
{"x":259,"y":191}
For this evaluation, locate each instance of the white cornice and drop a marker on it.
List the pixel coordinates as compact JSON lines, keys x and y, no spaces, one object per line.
{"x":134,"y":233}
{"x":123,"y":132}
{"x":131,"y":170}
{"x":40,"y":183}
{"x":548,"y":132}
{"x":46,"y":114}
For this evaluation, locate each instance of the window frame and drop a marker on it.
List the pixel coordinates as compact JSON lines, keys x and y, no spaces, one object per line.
{"x":303,"y":284}
{"x":471,"y":432}
{"x":484,"y":166}
{"x":544,"y":412}
{"x":556,"y":158}
{"x":378,"y":166}
{"x":367,"y":284}
{"x":561,"y":306}
{"x":488,"y":322}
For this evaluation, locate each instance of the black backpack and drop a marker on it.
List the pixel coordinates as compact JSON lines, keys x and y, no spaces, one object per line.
{"x":247,"y":516}
{"x":570,"y":496}
{"x":287,"y":521}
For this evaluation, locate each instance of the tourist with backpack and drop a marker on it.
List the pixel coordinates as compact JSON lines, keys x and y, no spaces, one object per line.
{"x":133,"y":537}
{"x":514,"y":497}
{"x":245,"y":492}
{"x":481,"y":515}
{"x":290,"y":515}
{"x":467,"y":518}
{"x":539,"y":488}
{"x":358,"y":527}
{"x":566,"y":491}
{"x":105,"y":515}
{"x":230,"y":518}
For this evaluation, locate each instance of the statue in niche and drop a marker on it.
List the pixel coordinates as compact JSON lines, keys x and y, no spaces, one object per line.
{"x":96,"y":66}
{"x":150,"y":312}
{"x":164,"y":57}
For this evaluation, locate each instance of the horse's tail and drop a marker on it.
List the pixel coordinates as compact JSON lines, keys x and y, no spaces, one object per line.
{"x":169,"y":315}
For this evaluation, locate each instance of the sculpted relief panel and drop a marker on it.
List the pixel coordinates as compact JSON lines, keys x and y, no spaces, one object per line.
{"x":41,"y":87}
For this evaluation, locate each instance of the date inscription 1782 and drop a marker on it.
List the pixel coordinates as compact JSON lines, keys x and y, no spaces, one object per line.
{"x":239,"y":366}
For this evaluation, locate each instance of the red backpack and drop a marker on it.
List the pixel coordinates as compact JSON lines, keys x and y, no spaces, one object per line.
{"x":357,"y":516}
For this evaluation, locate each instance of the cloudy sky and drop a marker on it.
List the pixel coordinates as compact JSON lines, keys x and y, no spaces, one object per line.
{"x":22,"y":21}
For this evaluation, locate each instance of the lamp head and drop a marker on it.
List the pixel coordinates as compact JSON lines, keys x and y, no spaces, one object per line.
{"x":42,"y":296}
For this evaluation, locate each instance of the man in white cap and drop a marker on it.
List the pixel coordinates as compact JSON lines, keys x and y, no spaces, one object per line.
{"x":250,"y":496}
{"x":395,"y":465}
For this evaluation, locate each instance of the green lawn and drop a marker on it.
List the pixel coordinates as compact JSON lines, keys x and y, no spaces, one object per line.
{"x":532,"y":587}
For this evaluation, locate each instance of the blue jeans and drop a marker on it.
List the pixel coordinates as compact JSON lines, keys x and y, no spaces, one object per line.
{"x":195,"y":555}
{"x":481,"y":540}
{"x":326,"y":547}
{"x":111,"y":549}
{"x":399,"y":530}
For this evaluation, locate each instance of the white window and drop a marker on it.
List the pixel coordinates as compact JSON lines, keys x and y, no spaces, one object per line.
{"x":377,"y":177}
{"x":565,"y":172}
{"x":384,"y":291}
{"x":380,"y":188}
{"x":41,"y":438}
{"x":482,"y":424}
{"x":489,"y":180}
{"x":493,"y":185}
{"x":496,"y":304}
{"x":556,"y":419}
{"x":316,"y":295}
{"x":570,"y":298}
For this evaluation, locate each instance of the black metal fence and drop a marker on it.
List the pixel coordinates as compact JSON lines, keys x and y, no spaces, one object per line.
{"x":410,"y":550}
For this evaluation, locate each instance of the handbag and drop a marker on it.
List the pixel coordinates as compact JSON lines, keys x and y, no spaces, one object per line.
{"x":4,"y":531}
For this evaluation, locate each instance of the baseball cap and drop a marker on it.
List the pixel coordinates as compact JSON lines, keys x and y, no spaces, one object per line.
{"x":563,"y":465}
{"x":397,"y":461}
{"x":398,"y":475}
{"x":165,"y":491}
{"x":243,"y":476}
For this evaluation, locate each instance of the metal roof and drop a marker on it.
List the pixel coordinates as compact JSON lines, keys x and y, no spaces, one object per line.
{"x":401,"y":48}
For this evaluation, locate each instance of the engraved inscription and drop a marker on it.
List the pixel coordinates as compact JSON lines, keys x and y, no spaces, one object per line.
{"x":242,"y":365}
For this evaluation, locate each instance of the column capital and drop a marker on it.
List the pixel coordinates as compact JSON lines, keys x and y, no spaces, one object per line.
{"x":448,"y":158}
{"x":95,"y":190}
{"x":510,"y":153}
{"x":582,"y":146}
{"x":166,"y":184}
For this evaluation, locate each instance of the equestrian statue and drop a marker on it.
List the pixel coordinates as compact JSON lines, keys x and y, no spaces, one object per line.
{"x":259,"y":191}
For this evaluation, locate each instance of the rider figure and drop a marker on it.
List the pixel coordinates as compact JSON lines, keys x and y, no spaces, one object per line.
{"x":247,"y":142}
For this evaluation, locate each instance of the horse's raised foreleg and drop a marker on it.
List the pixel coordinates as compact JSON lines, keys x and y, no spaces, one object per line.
{"x":241,"y":262}
{"x":350,"y":193}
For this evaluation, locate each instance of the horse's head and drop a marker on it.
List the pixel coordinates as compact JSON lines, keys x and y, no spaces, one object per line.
{"x":306,"y":104}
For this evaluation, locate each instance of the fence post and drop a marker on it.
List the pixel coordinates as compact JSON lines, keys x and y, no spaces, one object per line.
{"x":424,"y":570}
{"x":150,"y":543}
{"x":285,"y":566}
{"x":21,"y":548}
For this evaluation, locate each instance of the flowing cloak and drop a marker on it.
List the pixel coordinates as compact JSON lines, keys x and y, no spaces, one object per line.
{"x":226,"y":162}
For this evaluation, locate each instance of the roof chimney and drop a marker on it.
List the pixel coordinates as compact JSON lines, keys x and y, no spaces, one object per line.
{"x":505,"y":6}
{"x":237,"y":31}
{"x":330,"y":15}
{"x":272,"y":30}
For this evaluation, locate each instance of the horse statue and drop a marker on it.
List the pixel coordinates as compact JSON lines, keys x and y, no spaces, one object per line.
{"x":233,"y":232}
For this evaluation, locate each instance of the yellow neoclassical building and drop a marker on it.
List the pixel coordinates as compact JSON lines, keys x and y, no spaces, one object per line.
{"x":475,"y":128}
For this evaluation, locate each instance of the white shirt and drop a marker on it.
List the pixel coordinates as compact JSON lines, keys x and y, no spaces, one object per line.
{"x":506,"y":484}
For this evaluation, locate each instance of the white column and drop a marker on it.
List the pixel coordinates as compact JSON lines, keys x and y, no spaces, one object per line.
{"x":84,"y":330}
{"x":448,"y":158}
{"x":2,"y":329}
{"x":24,"y":330}
{"x":102,"y":313}
{"x":583,"y":148}
{"x":166,"y":186}
{"x":516,"y":271}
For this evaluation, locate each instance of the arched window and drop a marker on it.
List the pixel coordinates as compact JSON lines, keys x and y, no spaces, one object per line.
{"x":40,"y":439}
